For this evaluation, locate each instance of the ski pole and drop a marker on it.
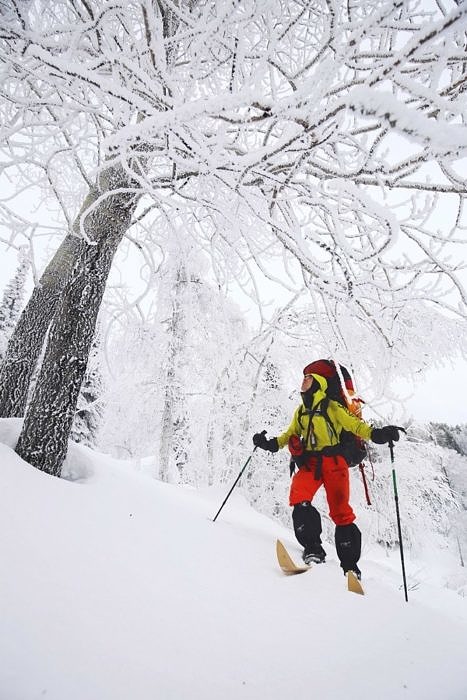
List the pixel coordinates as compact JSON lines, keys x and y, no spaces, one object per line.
{"x":396,"y":498}
{"x":361,"y":466}
{"x":234,"y":485}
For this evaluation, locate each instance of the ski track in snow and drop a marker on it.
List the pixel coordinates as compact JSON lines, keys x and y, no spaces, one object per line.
{"x":117,"y":586}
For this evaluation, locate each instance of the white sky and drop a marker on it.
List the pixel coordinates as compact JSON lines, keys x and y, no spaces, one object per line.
{"x":441,"y":397}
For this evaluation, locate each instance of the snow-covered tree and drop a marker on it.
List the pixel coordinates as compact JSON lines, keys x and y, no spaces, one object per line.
{"x":158,"y":404}
{"x":321,"y":139}
{"x":454,"y":437}
{"x":88,"y":416}
{"x":12,"y":302}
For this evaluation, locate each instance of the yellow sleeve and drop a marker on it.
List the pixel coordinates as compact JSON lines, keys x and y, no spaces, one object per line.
{"x":349,"y":421}
{"x":293,"y":429}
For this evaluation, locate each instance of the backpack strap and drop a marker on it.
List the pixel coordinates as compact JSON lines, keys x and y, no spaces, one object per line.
{"x":324,"y":413}
{"x":310,"y":413}
{"x":331,"y":450}
{"x":320,"y":410}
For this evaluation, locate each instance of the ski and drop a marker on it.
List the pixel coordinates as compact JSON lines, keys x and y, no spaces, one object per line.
{"x":353,"y":584}
{"x":289,"y":567}
{"x":286,"y":563}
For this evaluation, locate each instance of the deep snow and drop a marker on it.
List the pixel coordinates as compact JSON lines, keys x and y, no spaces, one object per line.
{"x":115,"y":586}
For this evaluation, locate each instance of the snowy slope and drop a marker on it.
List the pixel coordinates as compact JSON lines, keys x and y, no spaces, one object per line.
{"x":115,"y":587}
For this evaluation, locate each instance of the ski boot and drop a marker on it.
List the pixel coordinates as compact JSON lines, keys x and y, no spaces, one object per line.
{"x":314,"y":554}
{"x":354,"y":569}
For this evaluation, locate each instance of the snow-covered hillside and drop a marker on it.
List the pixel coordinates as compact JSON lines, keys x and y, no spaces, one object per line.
{"x":115,"y":586}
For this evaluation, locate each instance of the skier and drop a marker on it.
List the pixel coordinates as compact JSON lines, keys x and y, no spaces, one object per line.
{"x":316,"y":426}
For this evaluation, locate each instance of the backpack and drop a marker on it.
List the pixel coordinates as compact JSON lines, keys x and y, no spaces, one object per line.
{"x":351,"y":447}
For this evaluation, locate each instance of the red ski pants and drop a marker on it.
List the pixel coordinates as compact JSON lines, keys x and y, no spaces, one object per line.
{"x":335,"y":478}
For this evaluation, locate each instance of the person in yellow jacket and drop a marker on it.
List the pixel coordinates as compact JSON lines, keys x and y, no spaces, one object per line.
{"x":315,"y":431}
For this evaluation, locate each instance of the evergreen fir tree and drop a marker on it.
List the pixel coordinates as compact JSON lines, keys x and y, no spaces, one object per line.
{"x":12,"y":302}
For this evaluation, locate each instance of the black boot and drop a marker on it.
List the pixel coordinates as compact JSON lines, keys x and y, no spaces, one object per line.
{"x":307,"y":527}
{"x":355,"y":570}
{"x":314,"y":554}
{"x":348,"y":546}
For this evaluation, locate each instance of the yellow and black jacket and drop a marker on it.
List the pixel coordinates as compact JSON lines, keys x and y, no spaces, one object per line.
{"x":327,"y":422}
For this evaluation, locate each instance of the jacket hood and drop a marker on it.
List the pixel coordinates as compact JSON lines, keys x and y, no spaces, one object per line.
{"x":320,"y":393}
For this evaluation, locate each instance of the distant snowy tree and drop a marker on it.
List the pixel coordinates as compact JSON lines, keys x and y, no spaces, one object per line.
{"x":258,"y":390}
{"x":453,"y":437}
{"x":88,"y":416}
{"x":132,"y":392}
{"x":12,"y":302}
{"x":174,"y":421}
{"x":461,"y":438}
{"x":158,"y":404}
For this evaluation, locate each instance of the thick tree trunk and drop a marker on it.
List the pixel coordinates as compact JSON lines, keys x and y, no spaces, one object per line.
{"x":26,"y":343}
{"x":44,"y":439}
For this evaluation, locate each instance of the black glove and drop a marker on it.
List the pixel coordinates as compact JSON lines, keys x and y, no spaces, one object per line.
{"x":388,"y":433}
{"x":260,"y":440}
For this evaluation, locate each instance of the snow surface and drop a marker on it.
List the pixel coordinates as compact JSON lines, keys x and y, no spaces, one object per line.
{"x":116,"y":586}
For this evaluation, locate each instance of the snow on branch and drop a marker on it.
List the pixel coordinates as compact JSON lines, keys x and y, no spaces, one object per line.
{"x":444,"y":139}
{"x":294,"y":141}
